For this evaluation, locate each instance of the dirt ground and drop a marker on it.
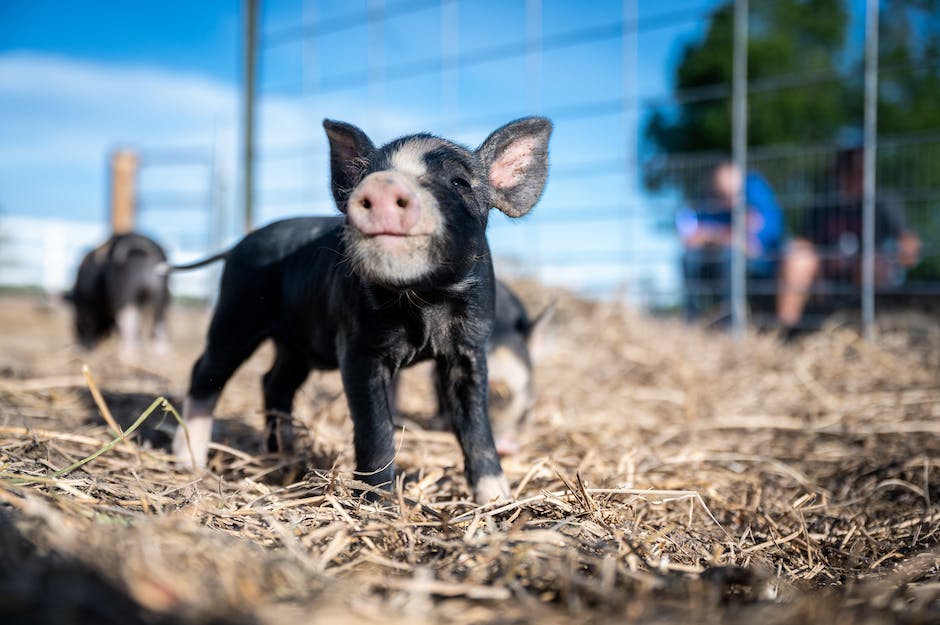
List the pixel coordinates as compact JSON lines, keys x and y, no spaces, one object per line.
{"x":667,"y":475}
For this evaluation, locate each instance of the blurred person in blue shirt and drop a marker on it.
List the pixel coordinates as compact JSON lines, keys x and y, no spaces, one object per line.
{"x":705,"y":231}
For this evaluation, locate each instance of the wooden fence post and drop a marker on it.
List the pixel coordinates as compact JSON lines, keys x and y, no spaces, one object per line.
{"x":123,"y":190}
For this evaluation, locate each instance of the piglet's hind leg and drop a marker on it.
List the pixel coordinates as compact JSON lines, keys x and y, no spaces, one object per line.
{"x":234,"y":334}
{"x":280,"y":385}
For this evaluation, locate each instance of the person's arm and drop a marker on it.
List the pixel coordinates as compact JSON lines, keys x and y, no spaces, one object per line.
{"x":696,"y":232}
{"x":891,"y":213}
{"x":908,"y":248}
{"x":768,"y":226}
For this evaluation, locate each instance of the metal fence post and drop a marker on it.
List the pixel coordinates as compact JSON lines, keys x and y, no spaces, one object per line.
{"x":630,"y":111}
{"x":450,"y":48}
{"x":533,"y":35}
{"x":871,"y":146}
{"x":739,"y":155}
{"x":248,"y":112}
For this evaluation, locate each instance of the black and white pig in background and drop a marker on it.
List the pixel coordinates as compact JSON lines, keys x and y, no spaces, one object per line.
{"x":516,"y":342}
{"x":407,"y":277}
{"x":121,"y":284}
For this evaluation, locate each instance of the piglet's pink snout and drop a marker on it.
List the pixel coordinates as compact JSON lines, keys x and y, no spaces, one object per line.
{"x":384,"y":204}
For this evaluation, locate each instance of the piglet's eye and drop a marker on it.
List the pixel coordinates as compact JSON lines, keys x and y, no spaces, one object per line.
{"x":461,"y":184}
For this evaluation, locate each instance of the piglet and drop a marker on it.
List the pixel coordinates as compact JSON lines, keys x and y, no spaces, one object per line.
{"x":406,"y":277}
{"x":120,"y":284}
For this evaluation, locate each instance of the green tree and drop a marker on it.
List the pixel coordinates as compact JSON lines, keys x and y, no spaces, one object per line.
{"x":806,"y":86}
{"x":788,"y":39}
{"x":909,"y":58}
{"x":909,"y":93}
{"x":805,"y":78}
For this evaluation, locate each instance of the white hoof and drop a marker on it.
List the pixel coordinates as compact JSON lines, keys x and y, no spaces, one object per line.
{"x":492,"y":488}
{"x":195,"y":453}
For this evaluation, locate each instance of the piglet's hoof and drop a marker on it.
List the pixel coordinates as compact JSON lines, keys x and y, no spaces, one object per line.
{"x":183,"y":459}
{"x":199,"y":457}
{"x":492,"y":489}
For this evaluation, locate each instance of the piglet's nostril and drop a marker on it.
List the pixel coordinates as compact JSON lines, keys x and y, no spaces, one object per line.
{"x":366,"y":203}
{"x":402,"y":202}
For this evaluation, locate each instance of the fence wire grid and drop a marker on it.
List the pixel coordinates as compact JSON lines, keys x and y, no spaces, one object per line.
{"x":449,"y":67}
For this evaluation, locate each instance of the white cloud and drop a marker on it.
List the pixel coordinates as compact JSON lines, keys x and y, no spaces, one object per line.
{"x":68,"y":111}
{"x":59,"y":118}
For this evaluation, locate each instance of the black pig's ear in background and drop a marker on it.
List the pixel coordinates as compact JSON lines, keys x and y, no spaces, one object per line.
{"x":350,"y":150}
{"x":516,"y":161}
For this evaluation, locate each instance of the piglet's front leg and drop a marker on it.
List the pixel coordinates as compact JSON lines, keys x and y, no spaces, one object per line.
{"x":366,"y":383}
{"x":462,"y":389}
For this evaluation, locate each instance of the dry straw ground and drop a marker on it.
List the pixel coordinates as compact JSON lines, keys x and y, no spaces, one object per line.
{"x":667,"y":476}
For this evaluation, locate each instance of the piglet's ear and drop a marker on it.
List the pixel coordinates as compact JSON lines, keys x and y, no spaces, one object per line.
{"x":516,"y":162}
{"x":350,"y":149}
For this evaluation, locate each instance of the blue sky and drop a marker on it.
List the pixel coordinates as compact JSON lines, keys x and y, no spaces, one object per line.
{"x":79,"y":78}
{"x":197,"y":37}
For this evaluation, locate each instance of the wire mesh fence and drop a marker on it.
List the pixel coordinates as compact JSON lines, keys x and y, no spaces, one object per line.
{"x":181,"y":201}
{"x":814,"y":195}
{"x":619,"y":216}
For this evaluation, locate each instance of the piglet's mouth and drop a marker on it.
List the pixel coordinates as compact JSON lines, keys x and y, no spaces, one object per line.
{"x":400,"y":235}
{"x":388,"y":235}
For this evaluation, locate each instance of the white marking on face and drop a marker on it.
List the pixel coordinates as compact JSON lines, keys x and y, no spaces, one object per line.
{"x":409,"y":158}
{"x":394,"y":261}
{"x":491,"y":488}
{"x":197,"y":414}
